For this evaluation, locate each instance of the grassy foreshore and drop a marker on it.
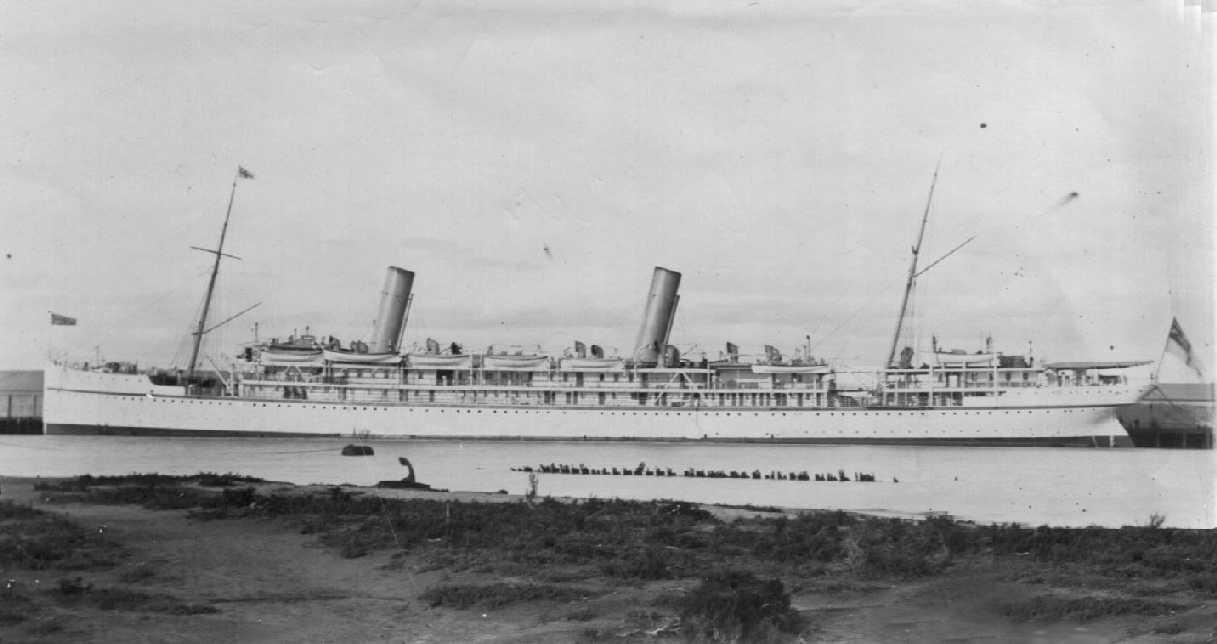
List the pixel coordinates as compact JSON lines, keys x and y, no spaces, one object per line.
{"x":225,"y":558}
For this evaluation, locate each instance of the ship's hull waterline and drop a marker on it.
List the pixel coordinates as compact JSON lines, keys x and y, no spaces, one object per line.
{"x":98,"y":412}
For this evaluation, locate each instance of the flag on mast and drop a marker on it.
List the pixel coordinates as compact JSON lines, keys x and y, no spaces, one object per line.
{"x":1179,"y":346}
{"x":243,"y":173}
{"x":61,"y":320}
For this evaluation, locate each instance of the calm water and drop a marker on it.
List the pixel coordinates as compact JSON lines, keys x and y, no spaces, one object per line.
{"x":1109,"y":487}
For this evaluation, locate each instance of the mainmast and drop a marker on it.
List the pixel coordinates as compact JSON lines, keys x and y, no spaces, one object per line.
{"x":242,"y":173}
{"x":908,"y":285}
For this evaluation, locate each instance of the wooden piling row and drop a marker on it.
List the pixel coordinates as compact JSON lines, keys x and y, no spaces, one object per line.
{"x":642,"y":470}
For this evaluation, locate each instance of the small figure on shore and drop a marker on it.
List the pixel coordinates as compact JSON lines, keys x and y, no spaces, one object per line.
{"x":531,"y":493}
{"x":410,"y":469}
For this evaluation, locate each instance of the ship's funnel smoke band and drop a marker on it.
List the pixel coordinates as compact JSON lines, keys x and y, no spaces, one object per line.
{"x":386,"y":330}
{"x":658,"y":315}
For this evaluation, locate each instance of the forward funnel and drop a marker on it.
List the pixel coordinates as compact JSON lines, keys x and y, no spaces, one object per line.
{"x":394,"y":297}
{"x":657,"y":317}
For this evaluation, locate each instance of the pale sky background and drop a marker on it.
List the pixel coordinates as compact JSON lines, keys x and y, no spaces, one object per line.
{"x":778,"y":154}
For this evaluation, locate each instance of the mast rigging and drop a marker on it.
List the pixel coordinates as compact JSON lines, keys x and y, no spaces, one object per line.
{"x":908,"y":285}
{"x":219,"y":253}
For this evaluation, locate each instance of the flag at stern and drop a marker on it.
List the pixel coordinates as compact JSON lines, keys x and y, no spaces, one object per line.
{"x":1179,"y":346}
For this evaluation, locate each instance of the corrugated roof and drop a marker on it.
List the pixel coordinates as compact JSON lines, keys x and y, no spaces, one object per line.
{"x":21,"y":380}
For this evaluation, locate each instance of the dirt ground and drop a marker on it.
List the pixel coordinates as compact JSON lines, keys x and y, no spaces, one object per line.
{"x":262,"y":580}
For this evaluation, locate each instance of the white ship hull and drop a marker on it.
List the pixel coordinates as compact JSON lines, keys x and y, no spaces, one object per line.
{"x":84,"y":402}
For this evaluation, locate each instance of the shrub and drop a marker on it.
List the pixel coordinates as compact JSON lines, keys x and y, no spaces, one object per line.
{"x":10,"y":510}
{"x":77,"y":593}
{"x":36,"y":540}
{"x":500,"y":594}
{"x":640,"y":563}
{"x":1084,"y":609}
{"x":240,"y":497}
{"x":734,"y":606}
{"x":211,"y":479}
{"x":879,"y":547}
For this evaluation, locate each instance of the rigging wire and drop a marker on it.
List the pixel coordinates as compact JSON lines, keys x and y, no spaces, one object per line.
{"x":823,"y":318}
{"x":914,"y":315}
{"x":857,"y":309}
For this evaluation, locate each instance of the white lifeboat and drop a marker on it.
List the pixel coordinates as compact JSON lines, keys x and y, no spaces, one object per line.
{"x":288,"y":357}
{"x":592,"y":364}
{"x":515,"y":363}
{"x":953,"y":359}
{"x":438,"y":361}
{"x":352,"y":357}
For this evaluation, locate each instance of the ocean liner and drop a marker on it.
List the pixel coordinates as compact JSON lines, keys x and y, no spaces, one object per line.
{"x":309,"y":385}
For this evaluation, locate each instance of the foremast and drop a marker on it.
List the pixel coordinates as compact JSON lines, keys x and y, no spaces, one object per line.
{"x":242,"y":173}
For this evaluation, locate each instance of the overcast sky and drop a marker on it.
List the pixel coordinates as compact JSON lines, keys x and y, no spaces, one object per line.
{"x":778,"y":154}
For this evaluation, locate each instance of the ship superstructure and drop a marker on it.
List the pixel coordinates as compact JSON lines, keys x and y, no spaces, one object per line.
{"x":310,"y":385}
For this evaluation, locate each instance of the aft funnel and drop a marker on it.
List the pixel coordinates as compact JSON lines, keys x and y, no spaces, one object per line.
{"x":386,"y":330}
{"x":657,"y":317}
